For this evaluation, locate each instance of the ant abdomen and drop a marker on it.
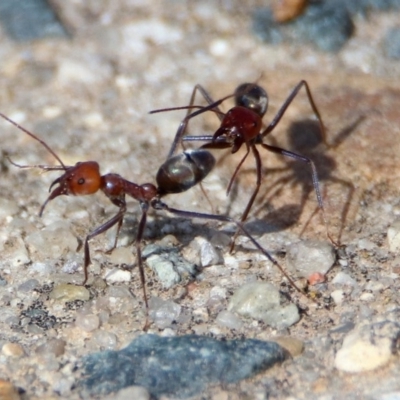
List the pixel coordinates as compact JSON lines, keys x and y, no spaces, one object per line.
{"x":181,"y":172}
{"x":252,"y":96}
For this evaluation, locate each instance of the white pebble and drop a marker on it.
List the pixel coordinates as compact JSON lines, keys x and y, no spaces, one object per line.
{"x":367,"y":347}
{"x":337,"y":296}
{"x":87,"y":322}
{"x":105,"y":340}
{"x":343,"y":279}
{"x":117,"y":275}
{"x":309,"y":256}
{"x":393,"y":236}
{"x":12,"y":350}
{"x":209,"y":255}
{"x":229,"y":320}
{"x":162,"y":312}
{"x":367,"y":297}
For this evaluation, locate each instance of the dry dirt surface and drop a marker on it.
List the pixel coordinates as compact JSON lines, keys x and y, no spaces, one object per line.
{"x":88,"y":97}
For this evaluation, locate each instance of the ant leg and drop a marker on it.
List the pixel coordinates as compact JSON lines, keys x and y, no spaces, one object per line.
{"x":116,"y":236}
{"x":158,"y":205}
{"x":180,"y":133}
{"x":253,"y":196}
{"x":286,"y":104}
{"x":315,"y":181}
{"x":103,"y":228}
{"x":138,"y":242}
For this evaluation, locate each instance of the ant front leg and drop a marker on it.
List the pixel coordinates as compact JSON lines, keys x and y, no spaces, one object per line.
{"x":286,"y":104}
{"x":180,"y":133}
{"x":117,"y":219}
{"x":255,"y":192}
{"x":315,"y":181}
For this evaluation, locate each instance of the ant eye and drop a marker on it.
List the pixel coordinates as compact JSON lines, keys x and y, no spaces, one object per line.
{"x":81,"y":181}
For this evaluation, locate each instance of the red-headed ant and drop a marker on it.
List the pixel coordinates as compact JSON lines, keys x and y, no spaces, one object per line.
{"x":242,"y":125}
{"x":176,"y":175}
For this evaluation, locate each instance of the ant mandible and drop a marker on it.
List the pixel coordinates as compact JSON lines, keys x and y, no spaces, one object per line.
{"x":242,"y":125}
{"x":176,"y":175}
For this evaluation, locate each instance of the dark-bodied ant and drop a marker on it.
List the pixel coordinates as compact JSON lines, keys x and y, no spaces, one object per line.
{"x":176,"y":175}
{"x":242,"y":125}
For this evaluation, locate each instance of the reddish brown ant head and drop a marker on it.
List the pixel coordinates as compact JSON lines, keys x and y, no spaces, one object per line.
{"x":253,"y":97}
{"x":82,"y":179}
{"x":240,"y":125}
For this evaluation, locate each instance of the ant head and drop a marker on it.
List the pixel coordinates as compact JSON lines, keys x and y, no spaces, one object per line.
{"x":81,"y":179}
{"x":252,"y":96}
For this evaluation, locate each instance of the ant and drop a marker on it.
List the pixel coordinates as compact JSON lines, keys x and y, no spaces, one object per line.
{"x":242,"y":125}
{"x":176,"y":175}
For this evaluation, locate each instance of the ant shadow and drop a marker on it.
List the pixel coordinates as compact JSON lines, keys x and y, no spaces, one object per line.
{"x":304,"y":138}
{"x":185,"y":230}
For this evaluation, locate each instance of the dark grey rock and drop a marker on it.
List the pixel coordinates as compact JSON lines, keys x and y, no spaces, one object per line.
{"x":29,"y":20}
{"x":392,"y":43}
{"x":327,"y":25}
{"x":177,"y":366}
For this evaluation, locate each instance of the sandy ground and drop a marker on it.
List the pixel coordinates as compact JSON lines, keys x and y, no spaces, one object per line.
{"x":89,"y":98}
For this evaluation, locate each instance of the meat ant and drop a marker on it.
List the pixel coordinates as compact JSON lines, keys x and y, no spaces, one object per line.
{"x":176,"y":175}
{"x":242,"y":125}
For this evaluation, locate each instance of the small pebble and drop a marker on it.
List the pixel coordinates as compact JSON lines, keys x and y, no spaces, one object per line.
{"x":338,"y":296}
{"x":53,"y":346}
{"x":393,"y":235}
{"x":163,"y":312}
{"x":12,"y":350}
{"x":209,"y":255}
{"x":368,"y":347}
{"x":261,"y":300}
{"x":105,"y":340}
{"x":200,"y":315}
{"x":343,"y":279}
{"x":367,"y":297}
{"x":164,"y":269}
{"x":229,"y":320}
{"x":117,"y":275}
{"x":294,"y":346}
{"x":122,"y":256}
{"x":310,"y":256}
{"x":87,"y":322}
{"x":66,"y":293}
